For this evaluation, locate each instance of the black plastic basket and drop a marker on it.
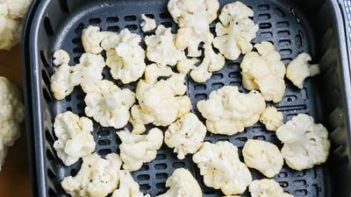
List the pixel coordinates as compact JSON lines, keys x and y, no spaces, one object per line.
{"x":314,"y":26}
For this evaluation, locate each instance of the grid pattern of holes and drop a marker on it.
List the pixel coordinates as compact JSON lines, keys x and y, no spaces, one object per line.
{"x":276,"y":25}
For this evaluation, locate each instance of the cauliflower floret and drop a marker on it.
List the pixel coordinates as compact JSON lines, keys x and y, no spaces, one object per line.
{"x":267,"y":187}
{"x":161,"y":48}
{"x":263,"y":156}
{"x":62,"y":83}
{"x":97,"y":176}
{"x":75,"y":139}
{"x":221,"y":167}
{"x":272,"y":118}
{"x":154,"y":71}
{"x":263,"y":70}
{"x":212,"y":62}
{"x":11,"y":112}
{"x":186,"y":135}
{"x":127,"y":58}
{"x":109,"y":105}
{"x":148,"y":24}
{"x":183,"y":11}
{"x":184,"y":66}
{"x":160,"y":103}
{"x":88,"y":72}
{"x":12,"y":13}
{"x":138,"y":149}
{"x":127,"y":186}
{"x":235,"y":30}
{"x":305,"y":143}
{"x":182,"y":184}
{"x":300,"y":68}
{"x":228,"y":111}
{"x":92,"y":38}
{"x":61,"y":57}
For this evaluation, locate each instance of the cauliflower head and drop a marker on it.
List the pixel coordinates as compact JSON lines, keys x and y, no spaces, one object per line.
{"x":109,"y":105}
{"x":148,"y":24}
{"x":92,"y":38}
{"x":267,"y":187}
{"x":161,"y":48}
{"x":11,"y":112}
{"x":221,"y":167}
{"x":97,"y":176}
{"x":300,"y":68}
{"x":227,"y":111}
{"x":263,"y":156}
{"x":212,"y":62}
{"x":75,"y":139}
{"x":126,"y":59}
{"x":305,"y":143}
{"x":161,"y":103}
{"x":127,"y":186}
{"x":88,"y":72}
{"x":272,"y":118}
{"x":182,"y":183}
{"x":263,"y":70}
{"x":12,"y":13}
{"x":186,"y":135}
{"x":138,"y":149}
{"x":235,"y":30}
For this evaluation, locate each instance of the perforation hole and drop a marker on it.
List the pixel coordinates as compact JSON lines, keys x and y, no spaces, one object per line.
{"x":145,"y":167}
{"x":265,"y":25}
{"x":167,"y":24}
{"x":263,"y":7}
{"x":300,"y":192}
{"x":112,"y":19}
{"x":132,"y":27}
{"x":160,"y":166}
{"x":260,"y":137}
{"x":285,"y":52}
{"x":217,"y":76}
{"x":45,"y":77}
{"x":69,"y":109}
{"x":282,"y":175}
{"x":79,"y":28}
{"x":81,"y":106}
{"x":94,"y":21}
{"x":282,"y":24}
{"x":284,"y":43}
{"x":217,"y":85}
{"x":104,"y":142}
{"x":51,"y":174}
{"x":52,"y":193}
{"x":284,"y":33}
{"x":76,"y":60}
{"x":104,"y":152}
{"x":178,"y":164}
{"x":47,"y":96}
{"x":298,"y":41}
{"x":284,"y":184}
{"x":266,"y":35}
{"x":145,"y":187}
{"x":160,"y":186}
{"x":113,"y":28}
{"x":50,"y":155}
{"x":103,"y":132}
{"x":77,"y":41}
{"x":130,"y":18}
{"x":44,"y":60}
{"x":64,"y":5}
{"x":74,"y":172}
{"x":161,"y":156}
{"x":143,"y":177}
{"x":68,"y":98}
{"x":279,"y":12}
{"x":48,"y":26}
{"x":161,"y":176}
{"x":201,"y":96}
{"x":48,"y":137}
{"x":200,"y":87}
{"x":165,"y":15}
{"x":264,"y":16}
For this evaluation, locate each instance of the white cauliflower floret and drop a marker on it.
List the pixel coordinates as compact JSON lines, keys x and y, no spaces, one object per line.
{"x":61,"y":57}
{"x":186,"y":65}
{"x":147,"y":24}
{"x":160,"y":103}
{"x":300,"y":68}
{"x":272,"y":118}
{"x":235,"y":30}
{"x":127,"y":186}
{"x":263,"y":156}
{"x":62,"y":83}
{"x":154,"y":71}
{"x":227,"y":111}
{"x":12,"y":13}
{"x":75,"y":139}
{"x":92,"y":38}
{"x":88,"y":72}
{"x":267,"y":188}
{"x":109,"y":105}
{"x":221,"y":167}
{"x":138,"y":149}
{"x":97,"y":177}
{"x":212,"y":62}
{"x":263,"y":70}
{"x":182,"y":184}
{"x":186,"y":135}
{"x":127,"y":58}
{"x":183,"y":11}
{"x":161,"y":48}
{"x":11,"y":112}
{"x":305,"y":143}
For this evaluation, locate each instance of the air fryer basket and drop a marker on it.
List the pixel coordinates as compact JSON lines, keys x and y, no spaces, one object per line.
{"x":314,"y":26}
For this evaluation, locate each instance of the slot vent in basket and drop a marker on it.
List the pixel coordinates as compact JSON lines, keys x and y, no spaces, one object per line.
{"x":277,"y":25}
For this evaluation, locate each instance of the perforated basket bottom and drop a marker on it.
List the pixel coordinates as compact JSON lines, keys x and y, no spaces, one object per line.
{"x":278,"y":23}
